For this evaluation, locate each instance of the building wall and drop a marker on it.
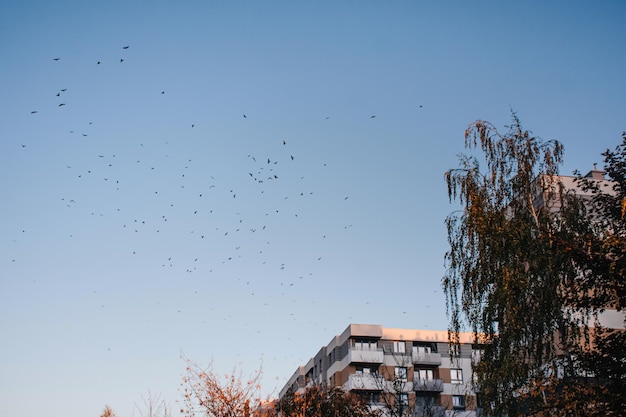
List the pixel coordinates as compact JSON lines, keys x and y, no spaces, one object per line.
{"x":362,"y":351}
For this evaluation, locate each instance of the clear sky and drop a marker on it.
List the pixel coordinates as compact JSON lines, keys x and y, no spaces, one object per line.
{"x":254,"y":176}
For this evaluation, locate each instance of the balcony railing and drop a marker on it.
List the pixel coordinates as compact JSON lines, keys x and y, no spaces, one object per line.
{"x":364,"y":382}
{"x":372,"y":355}
{"x":424,"y":358}
{"x":430,"y":385}
{"x":399,"y":385}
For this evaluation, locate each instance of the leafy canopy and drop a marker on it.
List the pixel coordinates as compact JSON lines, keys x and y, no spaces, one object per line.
{"x":531,"y":264}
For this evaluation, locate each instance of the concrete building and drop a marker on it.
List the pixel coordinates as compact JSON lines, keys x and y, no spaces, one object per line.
{"x":413,"y":369}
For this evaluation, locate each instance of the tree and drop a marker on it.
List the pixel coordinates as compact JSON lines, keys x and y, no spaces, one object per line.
{"x":107,"y":412}
{"x":596,"y":240}
{"x":153,"y":406}
{"x":323,"y":401}
{"x":207,"y":393}
{"x":517,"y":272}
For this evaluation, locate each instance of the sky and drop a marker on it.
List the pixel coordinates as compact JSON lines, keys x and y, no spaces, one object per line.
{"x":236,"y":182}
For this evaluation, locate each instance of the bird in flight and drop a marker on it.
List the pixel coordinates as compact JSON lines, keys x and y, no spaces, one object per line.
{"x":245,"y":117}
{"x":33,"y":112}
{"x":125,"y":47}
{"x":61,"y":104}
{"x":55,"y":59}
{"x":372,"y":116}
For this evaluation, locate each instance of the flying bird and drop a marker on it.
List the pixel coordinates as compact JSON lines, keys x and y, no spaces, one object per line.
{"x":61,"y":104}
{"x":125,"y":47}
{"x":33,"y":112}
{"x":55,"y":59}
{"x":372,"y":116}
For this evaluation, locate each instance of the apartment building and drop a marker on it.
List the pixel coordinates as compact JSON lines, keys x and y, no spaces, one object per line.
{"x":392,"y":367}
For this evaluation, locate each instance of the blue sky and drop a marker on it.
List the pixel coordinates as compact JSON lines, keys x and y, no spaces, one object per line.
{"x":146,"y":217}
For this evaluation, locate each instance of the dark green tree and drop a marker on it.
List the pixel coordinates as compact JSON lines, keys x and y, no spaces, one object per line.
{"x":517,"y":274}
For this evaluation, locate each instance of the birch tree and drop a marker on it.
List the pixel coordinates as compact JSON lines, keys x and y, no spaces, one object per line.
{"x":516,"y":274}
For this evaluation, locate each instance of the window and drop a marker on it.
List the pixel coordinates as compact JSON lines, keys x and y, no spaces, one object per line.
{"x":425,"y":403}
{"x":401,"y":373}
{"x":421,"y":350}
{"x":399,"y":347}
{"x":402,"y":402}
{"x":370,"y":397}
{"x":367,"y":370}
{"x":364,"y":344}
{"x":455,"y":351}
{"x":456,"y":376}
{"x":425,"y":374}
{"x":403,"y":399}
{"x":458,"y":401}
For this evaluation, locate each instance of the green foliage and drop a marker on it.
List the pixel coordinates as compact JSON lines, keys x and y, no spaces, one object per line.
{"x":530,"y":265}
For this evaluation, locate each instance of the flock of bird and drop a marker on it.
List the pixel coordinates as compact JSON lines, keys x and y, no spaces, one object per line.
{"x":160,"y":188}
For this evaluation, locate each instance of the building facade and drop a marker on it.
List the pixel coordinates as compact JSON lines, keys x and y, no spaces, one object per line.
{"x":399,"y":371}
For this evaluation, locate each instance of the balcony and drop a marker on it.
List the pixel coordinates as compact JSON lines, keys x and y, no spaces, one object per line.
{"x":399,"y":385}
{"x":428,"y":385}
{"x":423,"y":358}
{"x":370,"y":355}
{"x":364,"y":382}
